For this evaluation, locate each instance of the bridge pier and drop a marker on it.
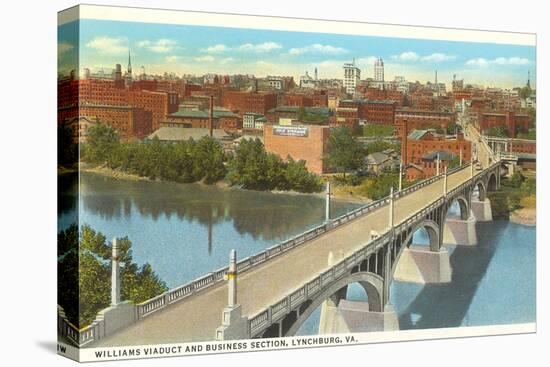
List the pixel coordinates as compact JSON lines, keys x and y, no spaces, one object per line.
{"x":356,"y":317}
{"x":460,"y":231}
{"x":418,"y":264}
{"x":482,"y":210}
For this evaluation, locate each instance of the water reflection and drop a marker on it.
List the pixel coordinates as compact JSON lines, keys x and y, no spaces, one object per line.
{"x":187,"y":222}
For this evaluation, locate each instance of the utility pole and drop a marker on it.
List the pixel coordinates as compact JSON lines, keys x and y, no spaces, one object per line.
{"x":445,"y":182}
{"x":400,"y":176}
{"x":327,"y":203}
{"x":115,"y":274}
{"x":437,"y":166}
{"x":232,"y":279}
{"x":391,"y":208}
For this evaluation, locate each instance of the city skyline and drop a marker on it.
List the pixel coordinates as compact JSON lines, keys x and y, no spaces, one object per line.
{"x":201,"y":50}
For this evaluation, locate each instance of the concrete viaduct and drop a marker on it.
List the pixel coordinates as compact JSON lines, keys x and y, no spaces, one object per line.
{"x":280,"y":287}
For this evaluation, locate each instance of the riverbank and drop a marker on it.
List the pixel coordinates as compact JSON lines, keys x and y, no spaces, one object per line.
{"x":524,"y":216}
{"x":338,"y":195}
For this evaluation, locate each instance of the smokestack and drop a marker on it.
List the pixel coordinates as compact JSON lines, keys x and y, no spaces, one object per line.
{"x":211,"y":116}
{"x":256,"y":85}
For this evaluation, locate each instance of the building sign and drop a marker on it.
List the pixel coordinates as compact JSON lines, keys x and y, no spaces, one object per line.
{"x":299,"y":131}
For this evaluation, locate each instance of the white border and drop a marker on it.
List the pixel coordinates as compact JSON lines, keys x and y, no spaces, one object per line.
{"x":130,"y":14}
{"x":179,"y":349}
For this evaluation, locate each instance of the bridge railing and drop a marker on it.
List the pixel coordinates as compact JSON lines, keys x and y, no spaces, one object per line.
{"x":280,"y":309}
{"x":146,"y":308}
{"x":73,"y":334}
{"x":154,"y":304}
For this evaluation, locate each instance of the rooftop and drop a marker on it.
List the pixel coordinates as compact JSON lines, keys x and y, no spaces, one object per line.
{"x":443,"y":156}
{"x":181,"y":133}
{"x":193,"y":113}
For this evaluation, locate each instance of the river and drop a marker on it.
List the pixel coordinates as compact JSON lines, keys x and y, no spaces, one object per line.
{"x":187,"y":230}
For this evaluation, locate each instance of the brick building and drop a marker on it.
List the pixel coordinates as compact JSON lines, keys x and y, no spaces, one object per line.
{"x":346,"y":116}
{"x":135,"y":113}
{"x":242,"y":102}
{"x":375,"y":112}
{"x":509,"y":120}
{"x":419,"y":146}
{"x":308,"y":143}
{"x":420,"y":119}
{"x":194,"y":118}
{"x":376,"y":94}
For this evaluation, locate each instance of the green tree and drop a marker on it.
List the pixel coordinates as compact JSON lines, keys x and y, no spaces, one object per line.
{"x":345,"y":153}
{"x":381,"y":145}
{"x":84,"y":272}
{"x":67,"y":147}
{"x":102,"y":140}
{"x":208,"y":157}
{"x":525,"y":92}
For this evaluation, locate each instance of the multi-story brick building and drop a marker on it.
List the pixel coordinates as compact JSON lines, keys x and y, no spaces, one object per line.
{"x":134,"y":112}
{"x":297,"y":99}
{"x":375,"y":112}
{"x":346,"y":116}
{"x":509,"y":120}
{"x":242,"y":102}
{"x":420,"y":119}
{"x":377,"y":94}
{"x":419,"y":147}
{"x":194,"y":118}
{"x":308,"y":143}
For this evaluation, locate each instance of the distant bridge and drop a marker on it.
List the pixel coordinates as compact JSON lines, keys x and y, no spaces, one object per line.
{"x":280,"y":287}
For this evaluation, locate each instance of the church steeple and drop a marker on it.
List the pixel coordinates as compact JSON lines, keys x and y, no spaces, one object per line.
{"x":129,"y":63}
{"x":529,"y":79}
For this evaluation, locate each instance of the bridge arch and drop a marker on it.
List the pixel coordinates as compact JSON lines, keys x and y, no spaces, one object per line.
{"x":481,"y":190}
{"x":433,"y":234}
{"x":431,"y":227}
{"x":463,"y":204}
{"x":373,"y":285}
{"x":492,"y":182}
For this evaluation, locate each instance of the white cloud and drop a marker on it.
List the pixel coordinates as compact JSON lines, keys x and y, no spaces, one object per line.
{"x":172,"y":58}
{"x":109,"y":45}
{"x":438,"y":57}
{"x":216,"y":48}
{"x":413,"y":56}
{"x":64,"y":47}
{"x":480,"y":61}
{"x":260,"y":47}
{"x":407,"y":56}
{"x":205,"y":58}
{"x":318,"y":48}
{"x":511,"y":61}
{"x":162,"y":45}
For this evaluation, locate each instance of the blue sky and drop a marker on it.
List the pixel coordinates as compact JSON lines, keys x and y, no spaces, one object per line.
{"x":198,"y":50}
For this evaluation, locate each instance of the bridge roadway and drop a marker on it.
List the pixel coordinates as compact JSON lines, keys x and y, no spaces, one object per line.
{"x":196,"y":318}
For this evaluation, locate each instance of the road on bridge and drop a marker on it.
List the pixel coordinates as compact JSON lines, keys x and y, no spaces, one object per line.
{"x":197,"y":317}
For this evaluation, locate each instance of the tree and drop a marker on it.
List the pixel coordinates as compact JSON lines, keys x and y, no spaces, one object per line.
{"x":102,"y":140}
{"x":381,"y":145}
{"x":84,"y":274}
{"x":525,"y":92}
{"x":208,"y":157}
{"x":67,"y":148}
{"x":345,"y":153}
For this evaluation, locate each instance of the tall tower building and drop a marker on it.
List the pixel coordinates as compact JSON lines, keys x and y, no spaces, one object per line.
{"x":352,"y":75}
{"x":379,"y":70}
{"x":128,"y":76}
